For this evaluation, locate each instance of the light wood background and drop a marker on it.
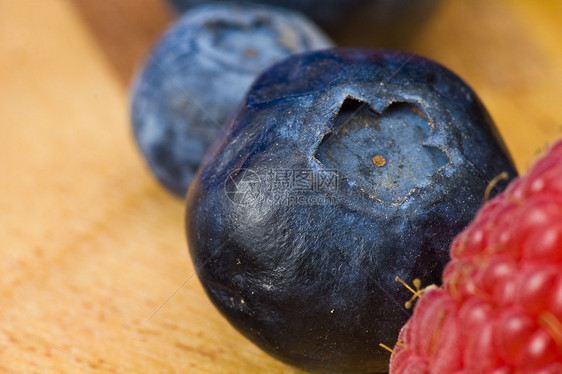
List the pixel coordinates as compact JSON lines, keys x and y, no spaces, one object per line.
{"x":91,"y":247}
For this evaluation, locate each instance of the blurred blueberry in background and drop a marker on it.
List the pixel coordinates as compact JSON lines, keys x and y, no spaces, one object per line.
{"x":197,"y":75}
{"x":380,"y":23}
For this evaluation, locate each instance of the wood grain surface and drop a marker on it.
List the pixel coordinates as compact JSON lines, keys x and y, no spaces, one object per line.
{"x":95,"y":274}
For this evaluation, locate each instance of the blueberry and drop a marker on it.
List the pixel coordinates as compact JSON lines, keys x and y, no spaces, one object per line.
{"x":342,"y":170}
{"x":198,"y":74}
{"x":377,"y":22}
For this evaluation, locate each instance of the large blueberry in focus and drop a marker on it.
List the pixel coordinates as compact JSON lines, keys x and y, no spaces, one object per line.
{"x":342,"y":170}
{"x":377,"y":22}
{"x":198,"y":74}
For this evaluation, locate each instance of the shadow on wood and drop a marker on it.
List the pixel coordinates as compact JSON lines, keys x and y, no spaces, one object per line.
{"x":125,"y":29}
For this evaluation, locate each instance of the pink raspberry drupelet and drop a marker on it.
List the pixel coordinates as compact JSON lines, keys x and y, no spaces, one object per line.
{"x":500,"y":308}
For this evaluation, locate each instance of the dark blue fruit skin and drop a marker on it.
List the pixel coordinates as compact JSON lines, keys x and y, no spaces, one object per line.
{"x":198,"y":74}
{"x":314,"y":285}
{"x":376,"y":22}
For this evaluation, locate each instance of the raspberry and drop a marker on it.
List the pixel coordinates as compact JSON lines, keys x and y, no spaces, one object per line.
{"x":500,"y":308}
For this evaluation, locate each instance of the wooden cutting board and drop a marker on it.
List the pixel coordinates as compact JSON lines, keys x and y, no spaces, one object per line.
{"x":95,"y":274}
